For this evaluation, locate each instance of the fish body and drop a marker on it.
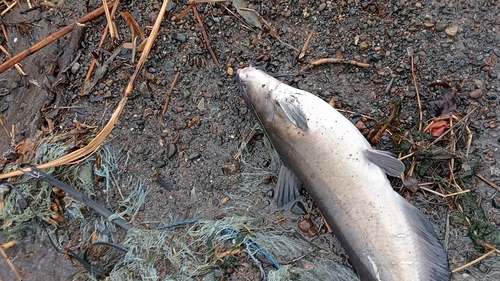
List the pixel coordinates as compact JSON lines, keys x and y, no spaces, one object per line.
{"x":387,"y":238}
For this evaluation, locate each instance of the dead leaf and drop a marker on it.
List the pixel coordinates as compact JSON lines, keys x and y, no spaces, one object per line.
{"x":411,"y":183}
{"x":448,"y":100}
{"x":250,"y":17}
{"x":25,"y":146}
{"x":437,"y":128}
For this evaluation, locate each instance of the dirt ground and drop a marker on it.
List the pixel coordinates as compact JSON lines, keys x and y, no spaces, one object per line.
{"x":193,"y":145}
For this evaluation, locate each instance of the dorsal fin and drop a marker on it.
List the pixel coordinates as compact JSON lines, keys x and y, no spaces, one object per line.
{"x":386,"y":161}
{"x":293,"y":112}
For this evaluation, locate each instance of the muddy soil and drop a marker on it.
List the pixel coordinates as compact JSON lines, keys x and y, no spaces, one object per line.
{"x":207,"y":120}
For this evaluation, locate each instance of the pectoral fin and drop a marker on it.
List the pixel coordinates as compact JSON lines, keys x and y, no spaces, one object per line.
{"x":293,"y":112}
{"x":287,"y":188}
{"x":386,"y":161}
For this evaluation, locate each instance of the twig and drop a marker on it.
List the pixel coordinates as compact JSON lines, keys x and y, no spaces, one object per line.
{"x":17,"y":65}
{"x":452,"y":160}
{"x":469,"y":141}
{"x":86,"y":151}
{"x":51,"y":38}
{"x":112,"y":27}
{"x":297,"y":258}
{"x":115,"y":181}
{"x":11,"y":264}
{"x":205,"y":36}
{"x":8,"y":8}
{"x":474,"y":261}
{"x":353,"y":112}
{"x":9,"y":244}
{"x":4,"y":31}
{"x":185,"y":11}
{"x":490,"y":183}
{"x":103,"y":37}
{"x":134,"y":48}
{"x":5,"y":128}
{"x":420,"y":113}
{"x":444,"y":195}
{"x":304,"y":48}
{"x":392,"y":116}
{"x":239,"y":18}
{"x":135,"y":29}
{"x":489,"y":247}
{"x":169,"y":94}
{"x":330,"y":230}
{"x":147,"y":48}
{"x":334,"y":60}
{"x":406,"y":156}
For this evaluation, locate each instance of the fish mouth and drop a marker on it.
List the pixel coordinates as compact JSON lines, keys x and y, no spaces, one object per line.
{"x":241,"y":87}
{"x":242,"y":73}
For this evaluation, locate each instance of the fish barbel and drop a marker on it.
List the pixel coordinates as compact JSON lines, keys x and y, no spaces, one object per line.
{"x":386,"y":237}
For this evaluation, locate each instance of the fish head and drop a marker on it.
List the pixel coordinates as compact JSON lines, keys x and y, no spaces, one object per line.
{"x":257,"y":89}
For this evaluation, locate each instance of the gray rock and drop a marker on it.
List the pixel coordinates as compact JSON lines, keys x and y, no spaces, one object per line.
{"x":171,"y":150}
{"x":180,"y":37}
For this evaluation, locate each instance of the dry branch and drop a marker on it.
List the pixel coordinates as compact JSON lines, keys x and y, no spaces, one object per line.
{"x":169,"y":94}
{"x":392,"y":116}
{"x":103,"y":37}
{"x":420,"y":113}
{"x":17,"y":65}
{"x":487,"y":181}
{"x":11,"y":264}
{"x":86,"y":151}
{"x":112,"y":27}
{"x":205,"y":36}
{"x":474,"y":261}
{"x":51,"y":38}
{"x":334,"y":60}
{"x":306,"y":45}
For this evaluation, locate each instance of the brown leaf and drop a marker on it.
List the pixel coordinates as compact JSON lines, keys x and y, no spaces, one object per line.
{"x":448,"y":100}
{"x":25,"y":146}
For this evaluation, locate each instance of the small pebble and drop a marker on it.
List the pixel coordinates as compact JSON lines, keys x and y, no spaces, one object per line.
{"x":440,"y":26}
{"x":230,"y":168}
{"x":180,"y":37}
{"x":171,"y":149}
{"x":194,"y":156}
{"x":451,"y":30}
{"x":160,"y":163}
{"x":201,"y":104}
{"x":477,"y":93}
{"x":363,"y":46}
{"x":321,"y":7}
{"x":428,"y":24}
{"x":75,"y":67}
